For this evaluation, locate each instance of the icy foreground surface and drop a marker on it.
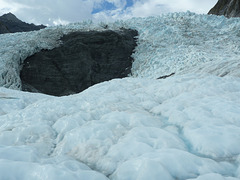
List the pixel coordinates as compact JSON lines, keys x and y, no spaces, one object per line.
{"x":137,"y":128}
{"x":183,"y":127}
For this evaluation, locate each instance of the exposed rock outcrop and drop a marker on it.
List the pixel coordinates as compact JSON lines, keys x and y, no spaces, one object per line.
{"x":9,"y":23}
{"x":3,"y":29}
{"x":228,"y":8}
{"x":84,"y":59}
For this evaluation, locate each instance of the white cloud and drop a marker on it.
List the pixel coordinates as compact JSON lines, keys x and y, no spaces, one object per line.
{"x":199,"y":6}
{"x":118,"y":3}
{"x":60,"y":12}
{"x":56,"y":10}
{"x":149,"y":8}
{"x":143,"y":8}
{"x":59,"y":21}
{"x":10,"y":6}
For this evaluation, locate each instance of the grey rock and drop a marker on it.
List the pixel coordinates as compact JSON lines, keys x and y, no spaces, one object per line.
{"x":9,"y":23}
{"x":3,"y":29}
{"x":228,"y":8}
{"x":166,"y":76}
{"x":83,"y":59}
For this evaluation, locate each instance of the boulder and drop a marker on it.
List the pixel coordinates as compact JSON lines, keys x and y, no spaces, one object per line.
{"x":228,"y":8}
{"x":83,"y":59}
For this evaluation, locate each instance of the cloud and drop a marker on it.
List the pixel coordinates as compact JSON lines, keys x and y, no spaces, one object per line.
{"x":118,"y":3}
{"x":61,"y":12}
{"x":49,"y":12}
{"x":150,"y":8}
{"x":10,"y":6}
{"x":199,"y":6}
{"x":144,"y":8}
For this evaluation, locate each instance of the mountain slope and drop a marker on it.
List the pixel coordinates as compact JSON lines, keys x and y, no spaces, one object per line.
{"x":183,"y":127}
{"x":228,"y":8}
{"x":3,"y":29}
{"x":13,"y":24}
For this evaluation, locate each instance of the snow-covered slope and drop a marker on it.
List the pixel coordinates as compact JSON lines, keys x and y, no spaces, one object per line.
{"x":138,"y":128}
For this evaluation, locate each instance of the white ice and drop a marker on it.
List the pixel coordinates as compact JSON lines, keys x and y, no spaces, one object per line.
{"x":137,"y":128}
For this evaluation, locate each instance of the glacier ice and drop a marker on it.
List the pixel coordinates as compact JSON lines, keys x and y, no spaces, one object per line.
{"x":184,"y":127}
{"x":128,"y":128}
{"x":171,"y":43}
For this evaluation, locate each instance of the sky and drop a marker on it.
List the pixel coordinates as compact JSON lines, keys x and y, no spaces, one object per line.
{"x":55,"y":12}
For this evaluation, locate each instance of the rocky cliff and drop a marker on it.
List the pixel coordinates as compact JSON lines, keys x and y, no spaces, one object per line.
{"x":9,"y":23}
{"x":83,"y":59}
{"x":228,"y":8}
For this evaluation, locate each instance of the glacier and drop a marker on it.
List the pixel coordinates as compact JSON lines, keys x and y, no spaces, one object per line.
{"x":186,"y":126}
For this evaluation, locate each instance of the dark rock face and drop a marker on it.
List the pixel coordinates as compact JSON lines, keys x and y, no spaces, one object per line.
{"x":228,"y":8}
{"x":84,"y":59}
{"x":166,"y":76}
{"x":3,"y":29}
{"x":9,"y":23}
